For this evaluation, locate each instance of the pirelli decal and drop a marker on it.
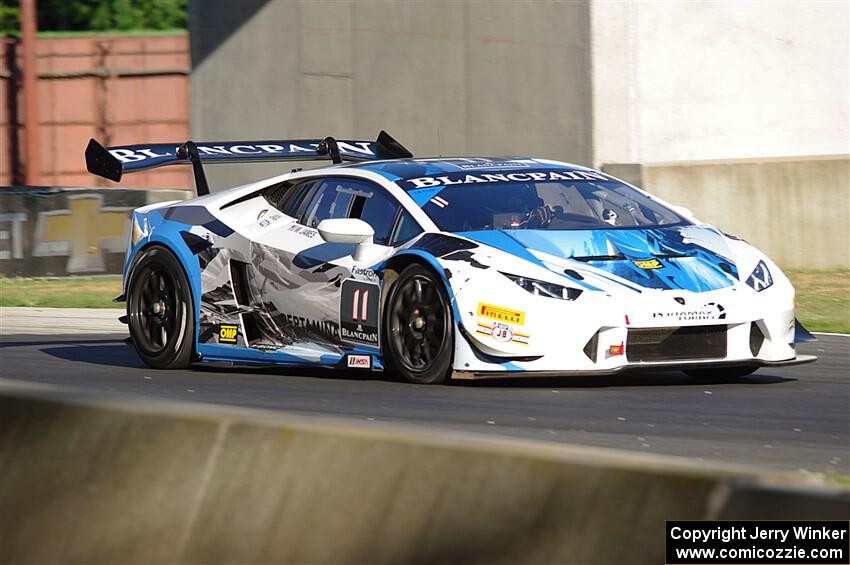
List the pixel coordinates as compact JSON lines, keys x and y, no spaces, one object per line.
{"x":501,"y":314}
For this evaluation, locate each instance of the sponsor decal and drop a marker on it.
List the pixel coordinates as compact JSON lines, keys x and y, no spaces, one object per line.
{"x":438,"y":201}
{"x":358,"y":312}
{"x":616,"y":350}
{"x":264,"y":219}
{"x":760,"y":279}
{"x":365,"y":273}
{"x":501,"y":314}
{"x":502,"y":332}
{"x":158,"y":152}
{"x":359,"y":361}
{"x":82,"y":233}
{"x":708,"y":311}
{"x":489,"y":178}
{"x":485,"y":163}
{"x":227,"y":333}
{"x":649,"y":264}
{"x":305,"y":326}
{"x":303,"y":230}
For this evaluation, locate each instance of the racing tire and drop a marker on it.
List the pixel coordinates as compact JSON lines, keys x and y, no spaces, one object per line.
{"x":721,"y":373}
{"x":419,"y":327}
{"x":159,"y":310}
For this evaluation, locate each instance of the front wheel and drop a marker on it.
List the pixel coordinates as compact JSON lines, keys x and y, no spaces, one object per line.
{"x":159,"y":310}
{"x":418,"y":326}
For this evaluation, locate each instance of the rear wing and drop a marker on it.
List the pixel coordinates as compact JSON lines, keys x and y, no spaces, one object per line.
{"x":112,"y":162}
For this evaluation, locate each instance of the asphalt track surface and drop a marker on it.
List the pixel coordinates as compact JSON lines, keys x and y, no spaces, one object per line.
{"x":784,"y":418}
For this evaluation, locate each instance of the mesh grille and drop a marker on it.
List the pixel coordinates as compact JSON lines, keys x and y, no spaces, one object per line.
{"x":676,"y":344}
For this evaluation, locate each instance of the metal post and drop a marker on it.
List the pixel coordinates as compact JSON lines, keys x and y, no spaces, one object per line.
{"x":30,"y":80}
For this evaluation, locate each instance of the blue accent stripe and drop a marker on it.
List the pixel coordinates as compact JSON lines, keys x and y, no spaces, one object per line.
{"x":422,"y":195}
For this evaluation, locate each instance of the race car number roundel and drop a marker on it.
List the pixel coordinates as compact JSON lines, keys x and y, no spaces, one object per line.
{"x":358,"y":312}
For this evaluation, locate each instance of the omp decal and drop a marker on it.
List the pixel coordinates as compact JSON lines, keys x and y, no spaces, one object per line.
{"x":502,"y":332}
{"x":648,"y":264}
{"x":358,"y":312}
{"x":227,"y":333}
{"x":501,"y":314}
{"x":82,"y":232}
{"x":359,"y":361}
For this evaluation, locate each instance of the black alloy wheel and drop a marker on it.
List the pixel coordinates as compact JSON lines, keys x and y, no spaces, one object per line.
{"x":720,"y":374}
{"x":418,"y":326}
{"x":159,"y":310}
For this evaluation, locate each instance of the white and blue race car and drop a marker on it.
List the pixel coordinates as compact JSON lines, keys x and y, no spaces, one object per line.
{"x":436,"y":268}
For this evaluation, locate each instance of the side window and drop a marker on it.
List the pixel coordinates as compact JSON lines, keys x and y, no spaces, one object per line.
{"x":293,"y":201}
{"x":331,"y":199}
{"x":374,"y":206}
{"x":405,"y":229}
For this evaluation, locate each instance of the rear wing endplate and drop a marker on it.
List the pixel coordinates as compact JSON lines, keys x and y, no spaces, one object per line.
{"x":112,"y":162}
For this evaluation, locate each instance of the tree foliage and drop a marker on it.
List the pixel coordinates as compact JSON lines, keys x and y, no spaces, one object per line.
{"x":97,"y":15}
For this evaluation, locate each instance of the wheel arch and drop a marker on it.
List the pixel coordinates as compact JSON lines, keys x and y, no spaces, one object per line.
{"x":397,"y":263}
{"x":392,"y":270}
{"x":192,"y":275}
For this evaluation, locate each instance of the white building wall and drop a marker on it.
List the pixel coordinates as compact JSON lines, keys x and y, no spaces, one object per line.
{"x":676,"y":81}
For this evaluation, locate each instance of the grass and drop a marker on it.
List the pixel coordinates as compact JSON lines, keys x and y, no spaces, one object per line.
{"x":66,"y":292}
{"x":823,"y":297}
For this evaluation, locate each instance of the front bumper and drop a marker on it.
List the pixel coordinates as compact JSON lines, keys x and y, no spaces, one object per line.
{"x":634,"y":368}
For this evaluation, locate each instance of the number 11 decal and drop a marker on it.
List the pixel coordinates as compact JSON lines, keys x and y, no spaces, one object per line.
{"x":364,"y":309}
{"x":358,"y":309}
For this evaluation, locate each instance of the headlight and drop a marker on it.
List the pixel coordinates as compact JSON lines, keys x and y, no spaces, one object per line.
{"x":543,"y":288}
{"x":137,"y":233}
{"x":760,"y":278}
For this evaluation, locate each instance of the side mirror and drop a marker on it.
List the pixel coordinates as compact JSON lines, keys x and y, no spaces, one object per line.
{"x":345,"y":230}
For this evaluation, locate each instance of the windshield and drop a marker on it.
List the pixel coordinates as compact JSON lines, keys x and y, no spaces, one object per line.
{"x":543,"y":205}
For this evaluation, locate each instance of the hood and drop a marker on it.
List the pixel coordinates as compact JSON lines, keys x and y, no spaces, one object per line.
{"x":694,"y":258}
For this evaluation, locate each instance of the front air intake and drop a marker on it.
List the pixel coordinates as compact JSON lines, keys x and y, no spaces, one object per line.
{"x":756,"y":339}
{"x":676,"y":344}
{"x":591,"y":347}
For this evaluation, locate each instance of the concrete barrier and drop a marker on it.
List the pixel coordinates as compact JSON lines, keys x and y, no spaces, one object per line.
{"x":97,"y":481}
{"x":69,"y":231}
{"x":793,"y":209}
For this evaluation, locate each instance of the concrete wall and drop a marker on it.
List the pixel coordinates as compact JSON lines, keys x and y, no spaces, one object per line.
{"x":719,"y":80}
{"x":66,"y":231}
{"x":137,"y":482}
{"x":795,"y":210}
{"x":118,"y":89}
{"x":442,"y":77}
